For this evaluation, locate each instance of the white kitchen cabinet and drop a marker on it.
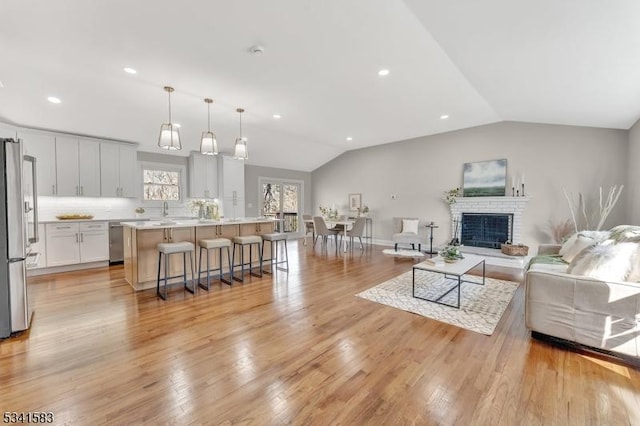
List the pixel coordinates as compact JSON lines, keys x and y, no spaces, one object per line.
{"x":84,"y":178}
{"x":232,"y":175}
{"x":94,"y":241}
{"x":118,"y":170}
{"x":203,"y":176}
{"x":42,"y":146}
{"x":62,"y":243}
{"x":69,"y":243}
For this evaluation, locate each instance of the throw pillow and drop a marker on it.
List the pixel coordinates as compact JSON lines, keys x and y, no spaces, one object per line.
{"x":568,"y":244}
{"x":605,"y":262}
{"x":626,"y":233}
{"x":580,"y":244}
{"x":410,"y":225}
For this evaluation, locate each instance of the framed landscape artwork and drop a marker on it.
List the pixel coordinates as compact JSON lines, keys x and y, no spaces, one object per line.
{"x":485,"y":178}
{"x":355,"y":202}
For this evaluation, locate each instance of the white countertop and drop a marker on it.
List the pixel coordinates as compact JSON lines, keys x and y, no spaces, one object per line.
{"x":185,"y":223}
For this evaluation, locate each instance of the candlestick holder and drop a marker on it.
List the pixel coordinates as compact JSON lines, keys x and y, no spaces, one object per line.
{"x":517,"y":193}
{"x":523,"y":189}
{"x":513,"y":191}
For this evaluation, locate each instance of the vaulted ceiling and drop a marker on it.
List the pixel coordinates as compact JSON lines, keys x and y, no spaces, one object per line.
{"x":571,"y":62}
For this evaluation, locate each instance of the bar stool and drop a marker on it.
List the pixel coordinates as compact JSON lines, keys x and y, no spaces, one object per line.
{"x":214,"y":244}
{"x":241,"y":242}
{"x":167,"y":249}
{"x":274,"y":239}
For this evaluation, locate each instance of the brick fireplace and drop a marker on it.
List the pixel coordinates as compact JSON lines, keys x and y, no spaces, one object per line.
{"x":490,"y":205}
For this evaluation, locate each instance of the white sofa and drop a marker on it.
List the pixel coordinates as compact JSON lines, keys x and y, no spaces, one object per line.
{"x":600,"y":314}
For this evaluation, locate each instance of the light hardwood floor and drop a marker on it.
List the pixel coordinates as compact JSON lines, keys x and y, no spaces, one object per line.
{"x":296,"y":349}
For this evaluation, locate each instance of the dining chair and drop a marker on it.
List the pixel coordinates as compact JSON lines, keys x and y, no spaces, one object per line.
{"x":308,"y":227}
{"x":357,"y":230}
{"x":323,"y":231}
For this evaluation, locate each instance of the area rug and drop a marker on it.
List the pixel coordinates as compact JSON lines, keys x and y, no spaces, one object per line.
{"x":481,"y":307}
{"x":403,"y":253}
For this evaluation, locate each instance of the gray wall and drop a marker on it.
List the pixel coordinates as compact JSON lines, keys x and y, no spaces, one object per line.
{"x":633,"y":181}
{"x":253,"y":192}
{"x":417,"y":172}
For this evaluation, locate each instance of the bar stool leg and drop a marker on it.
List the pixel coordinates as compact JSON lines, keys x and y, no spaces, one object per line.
{"x":286,"y":253}
{"x":200,"y":268}
{"x":166,"y":273}
{"x":229,"y":260}
{"x":158,"y":280}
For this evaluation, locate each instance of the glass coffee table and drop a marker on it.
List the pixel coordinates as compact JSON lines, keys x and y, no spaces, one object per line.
{"x":452,"y":274}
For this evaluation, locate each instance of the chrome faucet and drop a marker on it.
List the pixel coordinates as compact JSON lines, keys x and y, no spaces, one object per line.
{"x":165,"y":209}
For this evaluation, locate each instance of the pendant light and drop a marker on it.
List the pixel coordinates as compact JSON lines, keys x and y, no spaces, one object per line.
{"x":169,"y":134}
{"x":208,"y":143}
{"x":240,"y":151}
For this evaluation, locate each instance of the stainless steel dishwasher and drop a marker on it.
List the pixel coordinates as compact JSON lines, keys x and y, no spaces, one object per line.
{"x":116,"y":243}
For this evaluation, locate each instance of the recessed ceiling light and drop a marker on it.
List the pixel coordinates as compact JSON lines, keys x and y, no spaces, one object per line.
{"x":349,"y":138}
{"x":54,"y":100}
{"x":383,"y":72}
{"x":444,"y":117}
{"x":277,"y":116}
{"x":129,"y":70}
{"x":178,"y":125}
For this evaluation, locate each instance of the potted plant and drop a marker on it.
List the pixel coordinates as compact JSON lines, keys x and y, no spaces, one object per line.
{"x":451,"y":254}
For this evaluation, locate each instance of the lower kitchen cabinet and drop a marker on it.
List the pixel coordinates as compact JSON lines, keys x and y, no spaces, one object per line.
{"x":76,"y":242}
{"x":146,"y":243}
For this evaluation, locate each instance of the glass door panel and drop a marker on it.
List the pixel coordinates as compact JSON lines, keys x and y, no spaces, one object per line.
{"x":280,"y":200}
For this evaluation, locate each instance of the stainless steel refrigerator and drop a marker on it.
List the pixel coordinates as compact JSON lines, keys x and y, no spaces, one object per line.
{"x":18,"y":230}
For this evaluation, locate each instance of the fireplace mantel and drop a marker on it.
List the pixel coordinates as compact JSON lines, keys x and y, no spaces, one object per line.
{"x":513,"y":205}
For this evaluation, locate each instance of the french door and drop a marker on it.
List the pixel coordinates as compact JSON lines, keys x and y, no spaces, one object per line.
{"x":282,"y":200}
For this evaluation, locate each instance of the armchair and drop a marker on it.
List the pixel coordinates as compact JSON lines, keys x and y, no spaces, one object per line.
{"x":406,"y":232}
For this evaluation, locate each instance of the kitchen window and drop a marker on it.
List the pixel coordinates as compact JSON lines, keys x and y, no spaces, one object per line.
{"x":161,"y":183}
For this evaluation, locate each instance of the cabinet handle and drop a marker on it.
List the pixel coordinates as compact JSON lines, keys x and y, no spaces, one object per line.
{"x":77,"y":241}
{"x":170,"y":235}
{"x":53,"y":190}
{"x":81,"y":190}
{"x":77,"y":190}
{"x":63,"y":227}
{"x":82,"y":237}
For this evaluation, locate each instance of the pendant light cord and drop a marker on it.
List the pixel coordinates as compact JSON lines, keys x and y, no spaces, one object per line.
{"x":209,"y":116}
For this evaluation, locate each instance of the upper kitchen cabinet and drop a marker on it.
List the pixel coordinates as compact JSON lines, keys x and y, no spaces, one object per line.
{"x":42,"y":146}
{"x":203,"y":176}
{"x":118,"y":170}
{"x":232,"y":175}
{"x":83,"y":180}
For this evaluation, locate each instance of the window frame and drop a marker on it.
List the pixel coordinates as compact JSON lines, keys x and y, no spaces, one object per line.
{"x":182,"y":176}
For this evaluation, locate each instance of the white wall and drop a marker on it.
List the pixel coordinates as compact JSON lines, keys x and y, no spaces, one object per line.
{"x":417,"y":172}
{"x":633,"y":180}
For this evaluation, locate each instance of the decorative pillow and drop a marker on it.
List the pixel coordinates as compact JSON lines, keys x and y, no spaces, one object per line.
{"x":579,"y":241}
{"x":580,"y":244}
{"x":626,"y":233}
{"x":605,"y":262}
{"x":568,"y":244}
{"x":410,"y":225}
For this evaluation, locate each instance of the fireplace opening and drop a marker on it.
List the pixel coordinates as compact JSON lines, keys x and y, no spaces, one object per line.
{"x":487,"y":230}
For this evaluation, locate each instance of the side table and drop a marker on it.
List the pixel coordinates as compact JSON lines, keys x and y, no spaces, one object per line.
{"x":431,"y":227}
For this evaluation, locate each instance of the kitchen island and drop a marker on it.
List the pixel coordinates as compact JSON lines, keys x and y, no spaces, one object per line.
{"x":141,"y":239}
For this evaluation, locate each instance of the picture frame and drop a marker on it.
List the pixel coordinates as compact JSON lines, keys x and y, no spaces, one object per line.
{"x":355,"y":202}
{"x":485,"y":178}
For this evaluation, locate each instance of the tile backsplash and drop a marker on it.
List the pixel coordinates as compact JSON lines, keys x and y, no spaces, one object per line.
{"x":103,"y":208}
